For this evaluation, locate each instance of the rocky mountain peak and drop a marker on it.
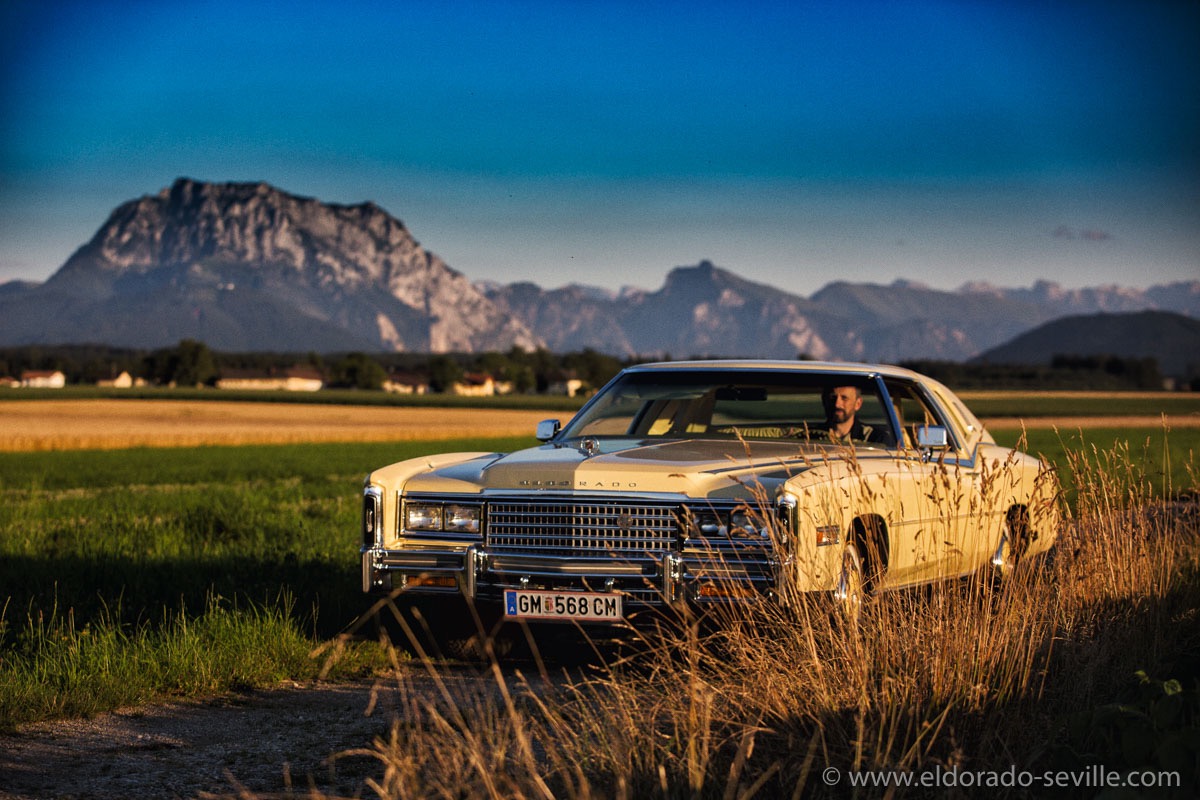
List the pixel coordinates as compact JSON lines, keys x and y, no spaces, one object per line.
{"x":252,"y":224}
{"x":197,"y":237}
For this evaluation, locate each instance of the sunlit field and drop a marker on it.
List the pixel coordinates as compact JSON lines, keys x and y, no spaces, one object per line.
{"x":130,"y":575}
{"x":91,"y":424}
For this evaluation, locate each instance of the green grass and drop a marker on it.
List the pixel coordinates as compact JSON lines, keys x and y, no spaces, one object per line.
{"x":58,"y":667}
{"x":1162,"y":460}
{"x":113,"y":562}
{"x":335,"y":461}
{"x":154,"y":529}
{"x":1032,"y":405}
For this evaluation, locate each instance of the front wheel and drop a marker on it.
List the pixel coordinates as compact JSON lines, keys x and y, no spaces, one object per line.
{"x":851,"y":587}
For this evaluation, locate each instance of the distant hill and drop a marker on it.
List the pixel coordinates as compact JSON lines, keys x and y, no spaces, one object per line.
{"x":248,"y":267}
{"x":1172,"y":339}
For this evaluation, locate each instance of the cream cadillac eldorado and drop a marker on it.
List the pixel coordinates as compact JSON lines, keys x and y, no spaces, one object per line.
{"x":689,"y":484}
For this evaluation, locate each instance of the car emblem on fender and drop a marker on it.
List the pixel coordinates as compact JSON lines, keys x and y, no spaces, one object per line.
{"x":589,"y":446}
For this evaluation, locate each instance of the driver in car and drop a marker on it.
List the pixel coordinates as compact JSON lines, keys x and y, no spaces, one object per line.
{"x":842,"y":425}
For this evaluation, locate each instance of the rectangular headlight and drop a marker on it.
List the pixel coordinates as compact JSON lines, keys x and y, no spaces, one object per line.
{"x":462,"y":519}
{"x":422,"y":517}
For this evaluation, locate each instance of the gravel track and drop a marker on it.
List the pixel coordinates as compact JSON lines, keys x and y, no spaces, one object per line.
{"x":283,"y":742}
{"x":265,"y":742}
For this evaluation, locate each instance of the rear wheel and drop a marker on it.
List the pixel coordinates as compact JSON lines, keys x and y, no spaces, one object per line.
{"x":1014,"y":541}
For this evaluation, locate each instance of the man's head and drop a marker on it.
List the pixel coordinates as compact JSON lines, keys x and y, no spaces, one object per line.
{"x":841,"y":404}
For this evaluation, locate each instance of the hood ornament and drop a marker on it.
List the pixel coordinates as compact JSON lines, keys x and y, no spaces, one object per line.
{"x":589,"y":446}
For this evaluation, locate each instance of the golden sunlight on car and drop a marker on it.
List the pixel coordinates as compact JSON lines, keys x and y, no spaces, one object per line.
{"x":694,"y":485}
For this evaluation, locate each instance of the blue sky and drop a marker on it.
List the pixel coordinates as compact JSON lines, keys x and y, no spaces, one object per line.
{"x":607,"y":142}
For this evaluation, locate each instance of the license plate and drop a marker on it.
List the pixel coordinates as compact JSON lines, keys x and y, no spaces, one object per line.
{"x":583,"y":606}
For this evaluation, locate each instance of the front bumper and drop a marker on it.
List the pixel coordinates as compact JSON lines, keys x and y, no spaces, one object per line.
{"x":692,"y":575}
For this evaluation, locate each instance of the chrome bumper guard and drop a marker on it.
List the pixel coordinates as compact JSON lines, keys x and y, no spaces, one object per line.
{"x":649,"y":579}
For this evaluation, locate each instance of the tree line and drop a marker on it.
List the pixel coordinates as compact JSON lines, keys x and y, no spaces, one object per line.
{"x":192,"y":363}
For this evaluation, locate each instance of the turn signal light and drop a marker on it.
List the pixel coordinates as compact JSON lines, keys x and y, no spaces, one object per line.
{"x":738,"y":591}
{"x":439,"y":581}
{"x":827,"y":534}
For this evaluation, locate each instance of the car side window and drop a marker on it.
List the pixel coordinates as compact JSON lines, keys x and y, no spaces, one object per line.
{"x":913,"y":411}
{"x":967,"y":422}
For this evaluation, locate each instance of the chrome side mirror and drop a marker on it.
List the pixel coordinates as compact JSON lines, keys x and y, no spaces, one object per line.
{"x":932,"y":437}
{"x":547,"y":429}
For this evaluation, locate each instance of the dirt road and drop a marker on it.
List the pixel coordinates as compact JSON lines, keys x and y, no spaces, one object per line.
{"x":258,"y":743}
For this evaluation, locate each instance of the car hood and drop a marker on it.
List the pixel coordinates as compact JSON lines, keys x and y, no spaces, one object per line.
{"x":692,"y":468}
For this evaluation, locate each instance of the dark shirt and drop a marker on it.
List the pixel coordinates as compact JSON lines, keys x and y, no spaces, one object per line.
{"x":858,"y":433}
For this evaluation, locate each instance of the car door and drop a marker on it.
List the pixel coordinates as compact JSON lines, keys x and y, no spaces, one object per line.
{"x":934,"y":537}
{"x":983,"y":517}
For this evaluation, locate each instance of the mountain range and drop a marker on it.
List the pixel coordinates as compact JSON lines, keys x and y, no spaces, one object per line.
{"x":248,"y":267}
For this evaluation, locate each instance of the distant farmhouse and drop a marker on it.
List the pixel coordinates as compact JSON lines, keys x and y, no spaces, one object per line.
{"x":405,"y":383}
{"x":475,"y":384}
{"x":564,"y":383}
{"x":293,"y":379}
{"x":122,"y":381}
{"x":43,"y":379}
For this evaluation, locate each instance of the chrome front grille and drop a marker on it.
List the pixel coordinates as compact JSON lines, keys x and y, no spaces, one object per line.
{"x":571,"y":528}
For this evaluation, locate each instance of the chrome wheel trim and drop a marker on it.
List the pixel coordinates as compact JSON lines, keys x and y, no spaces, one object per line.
{"x":850,"y":590}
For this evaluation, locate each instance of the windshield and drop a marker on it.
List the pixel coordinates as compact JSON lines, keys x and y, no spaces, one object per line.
{"x":738,"y":404}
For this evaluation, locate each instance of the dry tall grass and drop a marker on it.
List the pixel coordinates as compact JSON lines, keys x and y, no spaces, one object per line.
{"x":964,"y":675}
